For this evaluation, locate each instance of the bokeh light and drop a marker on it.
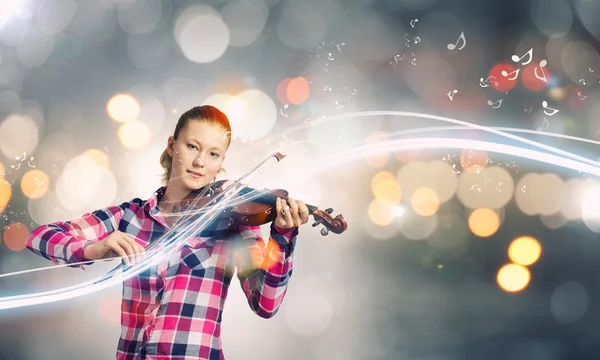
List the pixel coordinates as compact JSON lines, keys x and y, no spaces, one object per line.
{"x":484,"y":222}
{"x":298,"y":90}
{"x":385,"y":188}
{"x":5,"y":194}
{"x":425,"y":201}
{"x":15,"y":236}
{"x":524,"y":250}
{"x":513,"y":277}
{"x":201,"y":34}
{"x":134,"y":134}
{"x":35,"y":183}
{"x":123,"y":108}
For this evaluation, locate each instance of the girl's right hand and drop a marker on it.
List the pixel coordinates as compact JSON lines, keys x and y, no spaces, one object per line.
{"x":117,"y":244}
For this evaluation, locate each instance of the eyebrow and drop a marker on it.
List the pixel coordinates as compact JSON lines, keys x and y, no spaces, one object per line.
{"x":212,"y":148}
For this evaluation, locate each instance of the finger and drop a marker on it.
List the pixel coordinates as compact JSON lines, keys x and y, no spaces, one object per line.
{"x":116,"y":248}
{"x":303,"y":210}
{"x":289,"y":219}
{"x":294,"y":212}
{"x":137,"y":248}
{"x":127,"y":247}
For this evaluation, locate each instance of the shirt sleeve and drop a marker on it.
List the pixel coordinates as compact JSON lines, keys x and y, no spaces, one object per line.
{"x":265,"y":267}
{"x":63,"y":242}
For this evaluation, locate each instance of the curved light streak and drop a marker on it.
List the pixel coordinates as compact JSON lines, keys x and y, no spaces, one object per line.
{"x":567,"y":160}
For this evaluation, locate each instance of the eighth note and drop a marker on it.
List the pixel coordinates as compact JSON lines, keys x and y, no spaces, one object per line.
{"x":543,"y":76}
{"x":451,"y":94}
{"x":506,"y":74}
{"x":453,"y":46}
{"x":545,"y":125}
{"x":545,"y":106}
{"x":496,"y":104}
{"x":412,"y":23}
{"x":581,"y":96}
{"x":516,"y":58}
{"x":30,"y":162}
{"x":283,"y":111}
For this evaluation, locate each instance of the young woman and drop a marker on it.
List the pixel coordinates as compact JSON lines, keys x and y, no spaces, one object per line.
{"x":174,"y":309}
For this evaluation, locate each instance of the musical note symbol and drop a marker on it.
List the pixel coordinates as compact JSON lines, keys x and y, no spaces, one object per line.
{"x":545,"y":125}
{"x":21,"y":158}
{"x":591,"y":70}
{"x":451,"y":94}
{"x":516,"y":58}
{"x":339,"y":46}
{"x":414,"y":61}
{"x":326,"y":67}
{"x":327,"y":88}
{"x":498,"y":186}
{"x":412,"y":23}
{"x":582,"y":81}
{"x":283,"y":110}
{"x":496,"y":104}
{"x":545,"y":106}
{"x":543,"y":76}
{"x":406,"y":40}
{"x":486,"y":82}
{"x":16,"y":167}
{"x":396,"y":57}
{"x":581,"y":96}
{"x":330,"y":57}
{"x":453,"y":46}
{"x":516,"y":73}
{"x":337,"y":105}
{"x":528,"y":110}
{"x":476,"y":187}
{"x":455,"y":170}
{"x":417,"y":40}
{"x":38,"y":182}
{"x":30,"y":162}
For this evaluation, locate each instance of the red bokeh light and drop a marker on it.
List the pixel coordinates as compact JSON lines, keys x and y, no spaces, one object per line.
{"x":500,"y":82}
{"x":529,"y":79}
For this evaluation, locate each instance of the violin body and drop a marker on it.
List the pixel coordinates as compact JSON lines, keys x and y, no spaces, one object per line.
{"x":258,"y":210}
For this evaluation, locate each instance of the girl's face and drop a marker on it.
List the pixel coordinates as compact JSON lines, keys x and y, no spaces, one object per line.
{"x":197,"y":154}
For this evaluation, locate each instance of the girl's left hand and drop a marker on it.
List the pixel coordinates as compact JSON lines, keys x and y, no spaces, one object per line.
{"x":290,"y":216}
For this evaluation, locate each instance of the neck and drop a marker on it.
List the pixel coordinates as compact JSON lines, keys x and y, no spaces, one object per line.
{"x":172,"y":197}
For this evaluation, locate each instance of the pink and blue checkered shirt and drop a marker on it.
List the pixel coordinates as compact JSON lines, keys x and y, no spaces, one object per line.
{"x":173,"y":310}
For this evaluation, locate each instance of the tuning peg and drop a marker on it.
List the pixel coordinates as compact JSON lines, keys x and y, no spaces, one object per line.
{"x":318,"y":222}
{"x":329,"y":210}
{"x":324,"y":231}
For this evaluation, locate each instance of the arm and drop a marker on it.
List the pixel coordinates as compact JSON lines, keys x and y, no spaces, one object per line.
{"x":63,"y":242}
{"x":264,"y":268}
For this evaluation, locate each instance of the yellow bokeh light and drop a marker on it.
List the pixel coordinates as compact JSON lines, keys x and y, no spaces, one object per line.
{"x":5,"y":194}
{"x":123,"y":108}
{"x":425,"y":201}
{"x":35,"y":184}
{"x":98,"y":157}
{"x":524,"y":250}
{"x":513,"y":277}
{"x":134,"y":134}
{"x":386,"y":188}
{"x":379,"y":213}
{"x":484,"y":222}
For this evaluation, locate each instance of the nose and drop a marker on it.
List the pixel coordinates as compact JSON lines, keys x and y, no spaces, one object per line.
{"x":199,"y":160}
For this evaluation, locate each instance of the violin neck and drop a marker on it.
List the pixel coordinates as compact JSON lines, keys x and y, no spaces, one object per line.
{"x":271,"y":199}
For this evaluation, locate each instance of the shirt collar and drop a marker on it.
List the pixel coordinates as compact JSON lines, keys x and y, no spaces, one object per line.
{"x":152,"y":202}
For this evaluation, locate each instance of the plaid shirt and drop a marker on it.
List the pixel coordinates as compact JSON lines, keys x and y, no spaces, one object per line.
{"x":174,"y":309}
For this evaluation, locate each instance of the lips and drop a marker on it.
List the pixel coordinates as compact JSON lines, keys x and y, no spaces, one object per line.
{"x":194,"y":174}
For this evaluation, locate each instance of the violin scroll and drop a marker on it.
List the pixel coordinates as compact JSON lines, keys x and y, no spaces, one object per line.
{"x":337,"y":225}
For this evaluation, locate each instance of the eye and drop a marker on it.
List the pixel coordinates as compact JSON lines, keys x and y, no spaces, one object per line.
{"x":214,"y":154}
{"x":193,"y":147}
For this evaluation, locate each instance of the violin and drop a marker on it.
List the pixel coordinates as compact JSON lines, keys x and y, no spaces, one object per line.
{"x":258,"y":210}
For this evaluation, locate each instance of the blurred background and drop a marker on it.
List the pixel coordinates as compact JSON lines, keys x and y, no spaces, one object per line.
{"x":451,"y":252}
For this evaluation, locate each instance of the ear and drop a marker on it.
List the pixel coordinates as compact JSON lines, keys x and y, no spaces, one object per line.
{"x":170,"y":146}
